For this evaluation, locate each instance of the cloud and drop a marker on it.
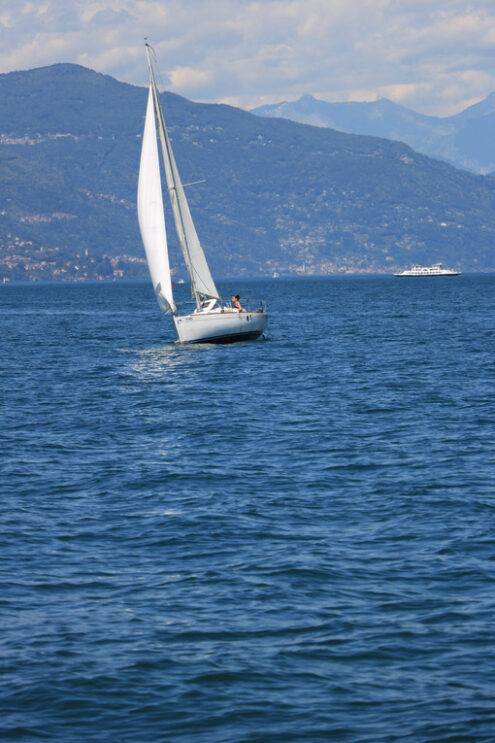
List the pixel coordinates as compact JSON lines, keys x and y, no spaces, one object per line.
{"x":434,"y":56}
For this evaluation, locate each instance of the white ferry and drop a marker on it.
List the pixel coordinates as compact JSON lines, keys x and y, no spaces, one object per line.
{"x":434,"y":270}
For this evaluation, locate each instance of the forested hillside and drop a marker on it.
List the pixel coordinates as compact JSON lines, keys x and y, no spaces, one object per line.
{"x":277,"y":194}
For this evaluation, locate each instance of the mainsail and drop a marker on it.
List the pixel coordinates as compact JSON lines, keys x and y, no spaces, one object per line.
{"x":202,"y":283}
{"x":150,"y":213}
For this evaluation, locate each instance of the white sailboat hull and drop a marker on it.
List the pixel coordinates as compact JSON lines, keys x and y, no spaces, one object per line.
{"x":220,"y":327}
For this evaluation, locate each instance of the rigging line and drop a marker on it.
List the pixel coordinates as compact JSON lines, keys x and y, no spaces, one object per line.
{"x":192,"y":183}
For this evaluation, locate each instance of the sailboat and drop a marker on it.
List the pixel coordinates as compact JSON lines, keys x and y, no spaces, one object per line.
{"x":212,"y":321}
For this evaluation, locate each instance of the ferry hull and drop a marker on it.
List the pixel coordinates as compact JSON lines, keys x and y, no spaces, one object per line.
{"x":220,"y":327}
{"x":426,"y":275}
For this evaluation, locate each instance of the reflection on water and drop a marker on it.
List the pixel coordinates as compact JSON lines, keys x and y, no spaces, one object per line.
{"x":164,"y":360}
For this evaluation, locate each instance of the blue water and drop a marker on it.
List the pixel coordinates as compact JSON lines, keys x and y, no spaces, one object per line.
{"x":284,"y":540}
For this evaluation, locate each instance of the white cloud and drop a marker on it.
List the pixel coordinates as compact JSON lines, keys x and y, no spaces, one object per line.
{"x":434,"y":56}
{"x":188,"y":78}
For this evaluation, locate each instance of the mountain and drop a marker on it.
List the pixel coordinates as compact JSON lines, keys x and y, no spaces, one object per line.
{"x":278,"y":194}
{"x":465,"y":139}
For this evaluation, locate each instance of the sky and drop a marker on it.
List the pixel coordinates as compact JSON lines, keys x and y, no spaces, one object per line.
{"x":434,"y":56}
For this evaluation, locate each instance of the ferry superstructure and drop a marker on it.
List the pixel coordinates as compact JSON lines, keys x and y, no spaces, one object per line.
{"x":435,"y":270}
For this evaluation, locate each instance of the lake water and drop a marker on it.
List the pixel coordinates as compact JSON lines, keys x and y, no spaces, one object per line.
{"x":286,"y":540}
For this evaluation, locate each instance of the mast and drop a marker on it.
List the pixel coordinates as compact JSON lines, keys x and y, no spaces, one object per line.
{"x":202,"y":284}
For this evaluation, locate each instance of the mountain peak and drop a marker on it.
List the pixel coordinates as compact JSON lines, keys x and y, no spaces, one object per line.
{"x":308,"y":98}
{"x":482,"y":108}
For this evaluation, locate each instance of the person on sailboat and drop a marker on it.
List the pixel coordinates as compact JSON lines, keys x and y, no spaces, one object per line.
{"x":236,"y":302}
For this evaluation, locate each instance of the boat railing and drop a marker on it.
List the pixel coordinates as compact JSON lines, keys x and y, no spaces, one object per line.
{"x":246,"y":306}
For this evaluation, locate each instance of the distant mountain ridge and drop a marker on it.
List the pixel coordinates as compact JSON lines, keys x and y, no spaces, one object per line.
{"x":278,"y":195}
{"x":465,"y":139}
